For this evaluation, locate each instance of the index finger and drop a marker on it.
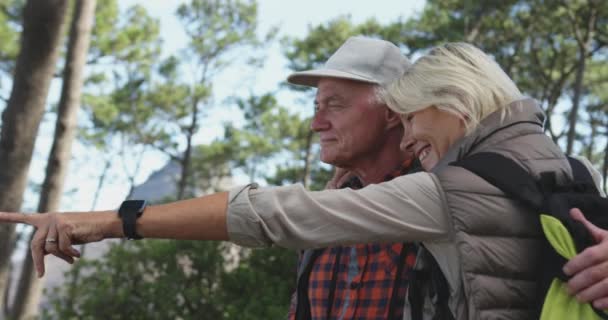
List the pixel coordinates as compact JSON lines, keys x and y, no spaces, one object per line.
{"x":13,"y":217}
{"x":586,"y":259}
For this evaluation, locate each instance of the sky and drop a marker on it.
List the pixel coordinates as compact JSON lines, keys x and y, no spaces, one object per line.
{"x":293,"y":18}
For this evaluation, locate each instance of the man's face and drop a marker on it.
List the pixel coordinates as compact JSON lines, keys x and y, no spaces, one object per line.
{"x":351,"y":124}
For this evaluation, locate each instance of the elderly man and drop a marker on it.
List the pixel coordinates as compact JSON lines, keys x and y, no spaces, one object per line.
{"x":360,"y":136}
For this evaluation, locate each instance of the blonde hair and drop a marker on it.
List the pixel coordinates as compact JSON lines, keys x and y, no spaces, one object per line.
{"x":457,"y":78}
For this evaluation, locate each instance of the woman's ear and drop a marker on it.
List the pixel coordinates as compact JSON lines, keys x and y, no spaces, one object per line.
{"x":392,"y":118}
{"x":465,"y":122}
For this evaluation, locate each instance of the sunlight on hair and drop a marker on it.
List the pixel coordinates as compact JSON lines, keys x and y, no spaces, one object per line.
{"x":457,"y":78}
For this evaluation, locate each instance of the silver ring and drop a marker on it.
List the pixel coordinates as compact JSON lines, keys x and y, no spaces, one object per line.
{"x":51,"y":240}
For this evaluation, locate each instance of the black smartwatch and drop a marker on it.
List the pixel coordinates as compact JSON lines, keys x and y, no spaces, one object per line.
{"x":129,"y":211}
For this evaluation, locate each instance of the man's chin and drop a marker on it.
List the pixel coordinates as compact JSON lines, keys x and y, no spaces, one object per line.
{"x":334,"y":161}
{"x":330,"y":159}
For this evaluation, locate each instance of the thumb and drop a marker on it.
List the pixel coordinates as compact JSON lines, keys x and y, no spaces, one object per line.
{"x":597,"y":233}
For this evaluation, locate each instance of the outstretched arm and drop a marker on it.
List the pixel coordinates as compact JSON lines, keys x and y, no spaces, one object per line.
{"x":408,"y":208}
{"x":201,"y":218}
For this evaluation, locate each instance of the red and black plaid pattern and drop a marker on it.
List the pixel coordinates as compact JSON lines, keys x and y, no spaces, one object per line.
{"x":369,"y":292}
{"x":363,"y":287}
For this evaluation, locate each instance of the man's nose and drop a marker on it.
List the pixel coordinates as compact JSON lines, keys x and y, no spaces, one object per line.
{"x":319,"y":123}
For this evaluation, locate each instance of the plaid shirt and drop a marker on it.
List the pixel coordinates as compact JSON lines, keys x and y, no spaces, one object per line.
{"x":365,"y":278}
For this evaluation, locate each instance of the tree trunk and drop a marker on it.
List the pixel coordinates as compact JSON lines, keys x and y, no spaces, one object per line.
{"x":578,"y":87}
{"x":605,"y":165}
{"x":42,"y":30}
{"x":187,"y":155}
{"x":69,"y":104}
{"x":29,"y":290}
{"x":584,"y":45}
{"x":591,"y":146}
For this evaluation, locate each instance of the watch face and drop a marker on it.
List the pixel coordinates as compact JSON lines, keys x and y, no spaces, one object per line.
{"x":133,"y":206}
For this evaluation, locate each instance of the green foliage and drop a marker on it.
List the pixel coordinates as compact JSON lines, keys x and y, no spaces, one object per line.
{"x":131,"y":36}
{"x":286,"y":174}
{"x":162,"y":279}
{"x":147,"y":280}
{"x":216,"y":27}
{"x":115,"y":98}
{"x":261,"y":286}
{"x":219,"y":32}
{"x":211,"y":166}
{"x":260,"y":139}
{"x":10,"y":30}
{"x":273,"y":143}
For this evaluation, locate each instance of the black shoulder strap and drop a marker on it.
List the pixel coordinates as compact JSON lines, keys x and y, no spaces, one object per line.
{"x":429,"y":282}
{"x":334,"y":281}
{"x":442,"y":292}
{"x":302,"y":302}
{"x":303,"y":311}
{"x":514,"y":181}
{"x":504,"y":174}
{"x":581,"y":174}
{"x":392,"y":306}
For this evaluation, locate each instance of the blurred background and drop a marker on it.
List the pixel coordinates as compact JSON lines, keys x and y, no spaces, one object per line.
{"x":104,"y":100}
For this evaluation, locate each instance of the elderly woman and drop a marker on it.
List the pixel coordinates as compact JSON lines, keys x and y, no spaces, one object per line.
{"x":455,"y":101}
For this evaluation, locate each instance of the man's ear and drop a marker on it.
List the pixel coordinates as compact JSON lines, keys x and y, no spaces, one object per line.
{"x":392,"y":118}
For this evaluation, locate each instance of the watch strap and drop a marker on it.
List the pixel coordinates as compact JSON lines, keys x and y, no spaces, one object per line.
{"x":129,"y":212}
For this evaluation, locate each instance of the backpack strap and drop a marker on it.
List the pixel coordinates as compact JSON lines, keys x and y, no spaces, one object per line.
{"x":396,"y":303}
{"x":397,"y":283}
{"x":439,"y":284}
{"x":429,"y":282}
{"x":506,"y":175}
{"x":514,"y":181}
{"x":334,"y":281}
{"x":416,"y":291}
{"x":581,"y":175}
{"x":303,"y":311}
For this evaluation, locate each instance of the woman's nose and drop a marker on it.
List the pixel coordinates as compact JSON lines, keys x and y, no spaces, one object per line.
{"x":407,"y":143}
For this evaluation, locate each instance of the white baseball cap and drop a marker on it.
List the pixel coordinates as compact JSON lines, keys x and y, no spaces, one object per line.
{"x":360,"y":59}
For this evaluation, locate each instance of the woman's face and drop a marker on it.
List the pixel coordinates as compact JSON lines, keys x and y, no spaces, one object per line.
{"x":429,"y":133}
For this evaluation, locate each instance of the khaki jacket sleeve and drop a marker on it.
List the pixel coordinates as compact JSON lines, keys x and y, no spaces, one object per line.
{"x":408,"y":208}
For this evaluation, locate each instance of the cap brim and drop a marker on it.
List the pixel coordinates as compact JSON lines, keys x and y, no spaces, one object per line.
{"x":311,"y":78}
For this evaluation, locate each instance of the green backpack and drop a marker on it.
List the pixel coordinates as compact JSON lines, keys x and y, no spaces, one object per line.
{"x":565,"y":236}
